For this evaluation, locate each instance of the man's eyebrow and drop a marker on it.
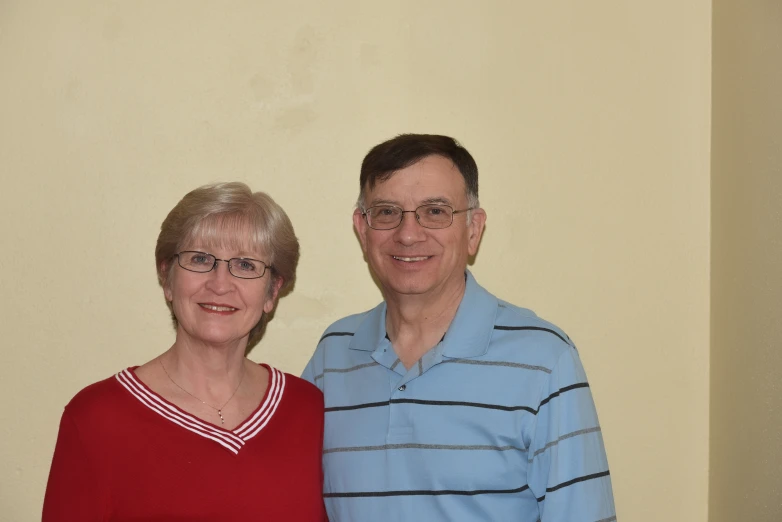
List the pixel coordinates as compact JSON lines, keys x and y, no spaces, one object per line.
{"x":375,"y":202}
{"x":436,"y":201}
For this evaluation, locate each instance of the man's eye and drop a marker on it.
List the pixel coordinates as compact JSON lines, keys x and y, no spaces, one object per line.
{"x":438,"y":211}
{"x":385,"y":211}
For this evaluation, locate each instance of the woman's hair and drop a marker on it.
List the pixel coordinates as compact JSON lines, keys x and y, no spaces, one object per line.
{"x":230,"y":215}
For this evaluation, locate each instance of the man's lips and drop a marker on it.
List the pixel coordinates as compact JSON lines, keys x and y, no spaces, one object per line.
{"x":411,"y":259}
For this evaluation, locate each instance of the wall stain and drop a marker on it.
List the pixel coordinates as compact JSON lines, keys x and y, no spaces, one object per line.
{"x":288,"y":100}
{"x":302,"y":59}
{"x":370,"y":56}
{"x":295,"y":118}
{"x":262,"y":87}
{"x":113,"y":28}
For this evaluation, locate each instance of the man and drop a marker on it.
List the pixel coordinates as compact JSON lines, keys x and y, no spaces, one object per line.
{"x":444,"y":402}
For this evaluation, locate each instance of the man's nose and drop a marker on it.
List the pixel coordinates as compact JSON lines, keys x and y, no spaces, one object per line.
{"x":409,"y":230}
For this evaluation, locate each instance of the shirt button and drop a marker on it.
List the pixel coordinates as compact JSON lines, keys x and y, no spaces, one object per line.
{"x":402,"y":388}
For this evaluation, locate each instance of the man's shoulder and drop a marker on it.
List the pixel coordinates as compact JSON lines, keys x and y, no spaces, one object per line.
{"x":507,"y":316}
{"x":526,"y":326}
{"x":515,"y":315}
{"x":347,"y":326}
{"x":334,"y":345}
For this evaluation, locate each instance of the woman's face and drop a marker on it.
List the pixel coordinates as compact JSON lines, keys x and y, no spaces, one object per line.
{"x":216,"y":308}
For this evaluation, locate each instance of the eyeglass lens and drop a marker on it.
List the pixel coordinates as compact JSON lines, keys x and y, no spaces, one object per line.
{"x":390,"y":216}
{"x":243,"y":268}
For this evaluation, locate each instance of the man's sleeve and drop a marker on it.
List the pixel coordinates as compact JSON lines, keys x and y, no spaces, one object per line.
{"x":310,"y":371}
{"x":568,"y":471}
{"x":74,"y":491}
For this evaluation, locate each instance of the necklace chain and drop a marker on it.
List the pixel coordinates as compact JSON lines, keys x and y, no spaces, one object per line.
{"x":218,"y":410}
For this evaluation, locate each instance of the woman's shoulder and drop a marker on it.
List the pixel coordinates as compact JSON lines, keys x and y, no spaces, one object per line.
{"x":98,"y":398}
{"x":297,"y":387}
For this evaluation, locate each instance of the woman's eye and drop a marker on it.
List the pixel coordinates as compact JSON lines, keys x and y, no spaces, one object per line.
{"x":200,"y":259}
{"x":246,"y":266}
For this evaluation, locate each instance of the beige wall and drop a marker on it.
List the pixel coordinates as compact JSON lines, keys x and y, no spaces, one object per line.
{"x":746,"y":289}
{"x":589,"y":120}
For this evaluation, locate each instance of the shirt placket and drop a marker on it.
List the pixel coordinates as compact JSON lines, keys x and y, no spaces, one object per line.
{"x":401,"y":385}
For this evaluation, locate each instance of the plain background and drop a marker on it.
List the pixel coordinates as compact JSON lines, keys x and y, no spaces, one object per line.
{"x":592,"y":126}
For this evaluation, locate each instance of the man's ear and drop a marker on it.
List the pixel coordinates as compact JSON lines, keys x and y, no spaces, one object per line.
{"x":475,"y":230}
{"x":361,"y":227}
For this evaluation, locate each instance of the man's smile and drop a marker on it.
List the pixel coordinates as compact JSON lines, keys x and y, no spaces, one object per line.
{"x":411,"y":259}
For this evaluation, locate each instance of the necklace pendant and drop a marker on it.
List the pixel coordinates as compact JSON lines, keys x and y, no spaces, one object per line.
{"x":220,"y":413}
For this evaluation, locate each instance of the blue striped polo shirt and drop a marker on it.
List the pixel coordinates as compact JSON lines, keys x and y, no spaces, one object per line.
{"x":495,"y":423}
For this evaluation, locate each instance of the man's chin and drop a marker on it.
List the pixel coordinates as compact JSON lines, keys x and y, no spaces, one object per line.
{"x":409,"y":286}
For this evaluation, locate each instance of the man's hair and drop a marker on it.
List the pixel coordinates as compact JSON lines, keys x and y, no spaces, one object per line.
{"x":407,"y":149}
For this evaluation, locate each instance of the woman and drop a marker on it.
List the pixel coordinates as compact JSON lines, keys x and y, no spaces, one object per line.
{"x":201,"y":432}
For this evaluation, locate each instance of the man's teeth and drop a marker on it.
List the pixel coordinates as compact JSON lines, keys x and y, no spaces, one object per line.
{"x":410,"y":259}
{"x":218,"y":308}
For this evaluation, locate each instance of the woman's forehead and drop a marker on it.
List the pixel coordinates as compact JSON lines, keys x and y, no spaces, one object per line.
{"x":228,"y":233}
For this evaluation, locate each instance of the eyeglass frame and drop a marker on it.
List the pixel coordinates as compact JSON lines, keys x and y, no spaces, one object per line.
{"x":227,"y":261}
{"x":402,"y":213}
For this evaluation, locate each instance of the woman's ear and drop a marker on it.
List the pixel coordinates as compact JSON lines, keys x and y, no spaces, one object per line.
{"x":164,"y":276}
{"x":274,"y":292}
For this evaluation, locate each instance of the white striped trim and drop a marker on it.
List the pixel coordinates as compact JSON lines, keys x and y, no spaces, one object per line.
{"x":187,"y":421}
{"x":230,"y":440}
{"x":257,"y":422}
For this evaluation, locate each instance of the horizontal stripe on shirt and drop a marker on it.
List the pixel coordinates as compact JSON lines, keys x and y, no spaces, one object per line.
{"x":459,"y":403}
{"x":419,"y":492}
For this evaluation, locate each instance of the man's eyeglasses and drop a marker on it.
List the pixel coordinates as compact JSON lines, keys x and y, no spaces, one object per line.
{"x":241,"y":267}
{"x":386,"y":217}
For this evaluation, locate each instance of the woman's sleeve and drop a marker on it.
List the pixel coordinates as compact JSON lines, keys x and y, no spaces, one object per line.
{"x":74,"y":491}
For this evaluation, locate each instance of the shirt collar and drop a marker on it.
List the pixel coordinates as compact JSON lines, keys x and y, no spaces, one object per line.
{"x":467,"y":336}
{"x":372,"y":330}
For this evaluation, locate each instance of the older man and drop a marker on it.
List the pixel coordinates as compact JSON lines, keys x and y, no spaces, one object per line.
{"x":445,"y":402}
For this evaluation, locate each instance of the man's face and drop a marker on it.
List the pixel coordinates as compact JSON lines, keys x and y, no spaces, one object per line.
{"x":411,"y":259}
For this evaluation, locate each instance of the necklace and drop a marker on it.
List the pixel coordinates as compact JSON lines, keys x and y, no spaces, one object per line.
{"x":218,"y":410}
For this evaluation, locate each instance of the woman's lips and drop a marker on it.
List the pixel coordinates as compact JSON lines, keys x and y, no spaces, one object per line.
{"x":217,"y":308}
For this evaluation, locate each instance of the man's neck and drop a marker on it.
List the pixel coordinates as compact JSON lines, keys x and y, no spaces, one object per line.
{"x":417,"y":323}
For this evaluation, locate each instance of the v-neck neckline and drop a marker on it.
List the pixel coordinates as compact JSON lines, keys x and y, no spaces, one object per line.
{"x":232,"y":440}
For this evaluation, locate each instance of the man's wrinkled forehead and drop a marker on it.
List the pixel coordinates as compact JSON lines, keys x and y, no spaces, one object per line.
{"x":432,"y":180}
{"x":382,"y":177}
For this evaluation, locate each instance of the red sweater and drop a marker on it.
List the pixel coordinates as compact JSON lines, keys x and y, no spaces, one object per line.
{"x":124,"y":453}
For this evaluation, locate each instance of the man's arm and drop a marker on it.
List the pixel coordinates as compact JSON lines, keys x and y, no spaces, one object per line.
{"x":311,"y":370}
{"x":568,"y":470}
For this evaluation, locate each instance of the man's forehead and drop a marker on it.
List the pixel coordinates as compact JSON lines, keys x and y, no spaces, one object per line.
{"x":433,"y":179}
